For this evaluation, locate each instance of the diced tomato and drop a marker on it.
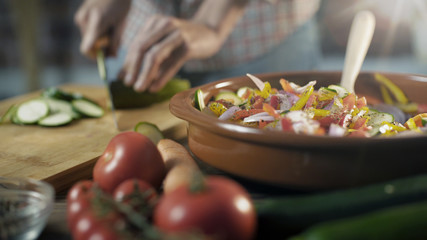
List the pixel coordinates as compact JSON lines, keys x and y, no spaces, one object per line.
{"x":361,"y":102}
{"x":245,"y":113}
{"x":270,"y":110}
{"x":274,"y":101}
{"x":328,"y":120}
{"x":360,"y":123}
{"x":258,"y":102}
{"x":286,"y":124}
{"x":349,"y":102}
{"x":262,"y":123}
{"x":359,"y":133}
{"x":286,"y":86}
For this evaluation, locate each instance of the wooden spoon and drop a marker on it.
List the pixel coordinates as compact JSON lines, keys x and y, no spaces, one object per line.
{"x":358,"y":43}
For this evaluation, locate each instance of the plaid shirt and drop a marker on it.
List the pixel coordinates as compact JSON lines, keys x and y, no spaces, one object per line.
{"x":264,"y":25}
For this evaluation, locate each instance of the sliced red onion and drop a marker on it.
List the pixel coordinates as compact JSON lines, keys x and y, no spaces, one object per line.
{"x":258,"y":82}
{"x":299,"y":89}
{"x":229,"y":113}
{"x":259,"y":117}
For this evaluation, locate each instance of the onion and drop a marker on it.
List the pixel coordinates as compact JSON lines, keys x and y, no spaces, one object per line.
{"x":229,"y":113}
{"x":263,"y":116}
{"x":257,"y":81}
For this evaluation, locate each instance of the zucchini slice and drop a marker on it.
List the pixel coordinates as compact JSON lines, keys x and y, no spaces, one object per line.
{"x":150,"y":130}
{"x":56,"y":119}
{"x":32,"y":111}
{"x":87,"y":108}
{"x":199,"y":100}
{"x":58,"y":105}
{"x":377,"y":118}
{"x":8,"y":115}
{"x":229,"y":96}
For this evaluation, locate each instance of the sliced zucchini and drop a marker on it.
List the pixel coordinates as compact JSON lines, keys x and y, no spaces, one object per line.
{"x":32,"y":111}
{"x":57,"y":93}
{"x":377,"y":118}
{"x":58,"y":105}
{"x":55,"y":119}
{"x":342,"y":92}
{"x":8,"y":115}
{"x":229,"y":96}
{"x":87,"y":108}
{"x":150,"y":130}
{"x":199,"y":101}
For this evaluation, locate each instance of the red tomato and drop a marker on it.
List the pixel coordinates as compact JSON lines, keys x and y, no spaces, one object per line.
{"x":89,"y":224}
{"x":80,"y":189}
{"x":134,"y":188}
{"x":129,"y":155}
{"x":78,"y":200}
{"x":222,"y":209}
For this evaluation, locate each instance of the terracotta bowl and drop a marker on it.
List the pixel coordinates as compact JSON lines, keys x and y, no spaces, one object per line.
{"x":299,"y":161}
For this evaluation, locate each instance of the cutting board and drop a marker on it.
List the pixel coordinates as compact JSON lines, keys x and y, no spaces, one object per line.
{"x":64,"y":155}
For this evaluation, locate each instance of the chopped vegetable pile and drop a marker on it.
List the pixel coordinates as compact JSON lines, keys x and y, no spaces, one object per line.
{"x":53,"y":108}
{"x":328,"y":111}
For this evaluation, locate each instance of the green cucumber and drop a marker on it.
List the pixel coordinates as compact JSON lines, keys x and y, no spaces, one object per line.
{"x":150,"y":130}
{"x":56,"y":119}
{"x":31,"y":111}
{"x":58,"y":105}
{"x":408,"y":221}
{"x":87,"y":108}
{"x":199,"y":100}
{"x":230,"y":97}
{"x":295,"y":213}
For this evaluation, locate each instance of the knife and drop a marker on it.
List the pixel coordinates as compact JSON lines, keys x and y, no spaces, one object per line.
{"x":100,"y":57}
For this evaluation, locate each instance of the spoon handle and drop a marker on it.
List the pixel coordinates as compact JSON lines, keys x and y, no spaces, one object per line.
{"x":358,"y":43}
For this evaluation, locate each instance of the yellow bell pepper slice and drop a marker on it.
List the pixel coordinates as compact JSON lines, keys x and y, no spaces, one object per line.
{"x":303,"y":99}
{"x":217,"y":108}
{"x":394,"y":89}
{"x":266,"y":91}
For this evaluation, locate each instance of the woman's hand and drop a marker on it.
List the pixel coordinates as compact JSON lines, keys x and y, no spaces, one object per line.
{"x":164,"y":44}
{"x":101,"y":18}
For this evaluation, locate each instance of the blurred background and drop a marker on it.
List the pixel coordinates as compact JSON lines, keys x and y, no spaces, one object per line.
{"x":39,"y":43}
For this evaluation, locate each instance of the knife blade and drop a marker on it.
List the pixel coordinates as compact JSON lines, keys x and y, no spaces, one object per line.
{"x":100,"y":58}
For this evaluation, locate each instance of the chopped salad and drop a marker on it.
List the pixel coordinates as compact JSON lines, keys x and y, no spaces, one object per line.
{"x":328,"y":111}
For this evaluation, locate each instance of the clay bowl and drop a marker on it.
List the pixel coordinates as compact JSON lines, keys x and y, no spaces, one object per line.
{"x":299,"y":161}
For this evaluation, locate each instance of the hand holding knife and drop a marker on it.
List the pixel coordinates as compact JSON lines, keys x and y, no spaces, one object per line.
{"x":101,"y":46}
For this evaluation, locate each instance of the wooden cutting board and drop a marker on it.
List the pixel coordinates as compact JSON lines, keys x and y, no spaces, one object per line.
{"x":64,"y":155}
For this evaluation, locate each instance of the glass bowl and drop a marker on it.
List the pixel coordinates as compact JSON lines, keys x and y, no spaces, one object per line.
{"x":25,"y":205}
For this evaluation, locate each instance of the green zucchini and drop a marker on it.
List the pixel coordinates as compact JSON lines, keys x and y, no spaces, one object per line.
{"x":150,"y":130}
{"x":229,"y":96}
{"x":408,"y":221}
{"x":55,"y":120}
{"x":199,"y":100}
{"x":53,"y":92}
{"x":87,"y":108}
{"x":297,"y":212}
{"x":31,"y":111}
